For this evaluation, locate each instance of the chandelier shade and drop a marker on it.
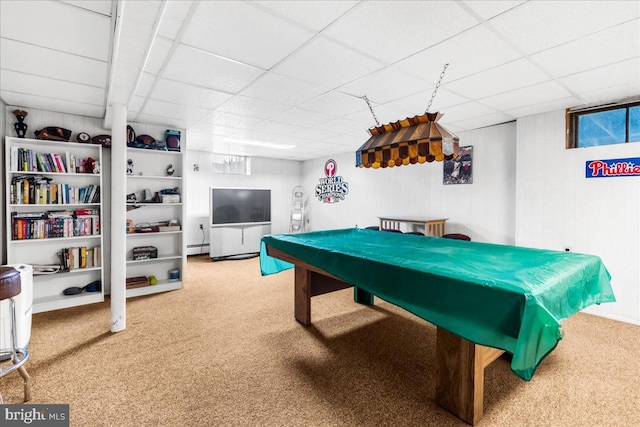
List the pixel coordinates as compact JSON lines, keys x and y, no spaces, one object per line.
{"x":413,"y":140}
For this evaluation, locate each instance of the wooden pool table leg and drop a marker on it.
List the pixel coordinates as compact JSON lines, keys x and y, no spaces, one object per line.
{"x":303,"y":295}
{"x":362,"y":297}
{"x":460,"y":378}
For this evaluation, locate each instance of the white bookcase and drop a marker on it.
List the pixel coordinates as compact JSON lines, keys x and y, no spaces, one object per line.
{"x":149,"y":173}
{"x":48,"y":288}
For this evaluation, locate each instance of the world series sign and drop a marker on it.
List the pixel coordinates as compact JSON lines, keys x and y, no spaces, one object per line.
{"x":613,"y":168}
{"x":331,"y":189}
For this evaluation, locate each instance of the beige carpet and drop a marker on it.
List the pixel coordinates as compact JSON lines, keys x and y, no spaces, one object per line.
{"x":226,"y":351}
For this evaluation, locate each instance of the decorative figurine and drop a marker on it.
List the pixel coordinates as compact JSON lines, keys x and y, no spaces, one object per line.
{"x":83,"y":137}
{"x":129,"y":167}
{"x":21,"y":126}
{"x":170,"y":170}
{"x":96,"y":167}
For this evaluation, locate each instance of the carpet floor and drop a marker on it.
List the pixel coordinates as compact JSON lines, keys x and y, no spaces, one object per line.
{"x":226,"y":351}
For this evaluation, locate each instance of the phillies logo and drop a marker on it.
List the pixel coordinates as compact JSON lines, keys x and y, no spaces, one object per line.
{"x":613,"y":168}
{"x":331,"y":189}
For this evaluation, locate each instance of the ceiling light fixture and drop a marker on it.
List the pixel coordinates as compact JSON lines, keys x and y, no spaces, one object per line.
{"x":413,"y":140}
{"x":260,"y":143}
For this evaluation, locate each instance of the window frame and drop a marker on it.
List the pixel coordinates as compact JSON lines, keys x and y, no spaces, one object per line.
{"x":572,"y":117}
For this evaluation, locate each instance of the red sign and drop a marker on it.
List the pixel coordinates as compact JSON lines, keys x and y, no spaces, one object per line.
{"x":330,"y":168}
{"x":613,"y":168}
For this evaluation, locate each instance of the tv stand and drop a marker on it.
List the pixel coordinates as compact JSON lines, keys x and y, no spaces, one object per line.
{"x":230,"y":240}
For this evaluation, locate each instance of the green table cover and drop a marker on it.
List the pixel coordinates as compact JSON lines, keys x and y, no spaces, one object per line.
{"x":507,"y":297}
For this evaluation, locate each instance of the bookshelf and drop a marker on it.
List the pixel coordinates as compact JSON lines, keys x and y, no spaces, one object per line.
{"x":53,"y":216}
{"x":149,"y":172}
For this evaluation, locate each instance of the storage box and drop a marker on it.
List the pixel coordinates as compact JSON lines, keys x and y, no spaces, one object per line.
{"x":145,"y":252}
{"x":170,"y":198}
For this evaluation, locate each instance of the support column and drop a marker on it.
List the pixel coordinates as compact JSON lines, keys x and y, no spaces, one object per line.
{"x":118,"y":217}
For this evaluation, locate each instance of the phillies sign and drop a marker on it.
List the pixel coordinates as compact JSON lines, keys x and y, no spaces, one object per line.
{"x":613,"y":168}
{"x":331,"y":189}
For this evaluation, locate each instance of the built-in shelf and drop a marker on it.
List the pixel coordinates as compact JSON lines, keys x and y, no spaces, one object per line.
{"x":160,"y":258}
{"x":161,"y":286}
{"x":149,"y":151}
{"x":56,"y":239}
{"x":83,"y":175}
{"x":154,"y":204}
{"x":57,"y":302}
{"x":53,"y":205}
{"x":153,"y":177}
{"x":74,"y":271}
{"x":153,"y":233}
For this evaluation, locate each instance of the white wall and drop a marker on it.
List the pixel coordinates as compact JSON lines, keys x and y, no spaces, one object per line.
{"x":280,"y":176}
{"x":483,"y":210}
{"x":557,"y":207}
{"x":3,"y":132}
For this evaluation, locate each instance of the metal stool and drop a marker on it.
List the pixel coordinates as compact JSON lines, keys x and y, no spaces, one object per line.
{"x":10,"y":287}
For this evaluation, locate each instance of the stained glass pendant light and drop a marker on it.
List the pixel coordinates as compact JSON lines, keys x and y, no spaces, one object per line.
{"x":413,"y":140}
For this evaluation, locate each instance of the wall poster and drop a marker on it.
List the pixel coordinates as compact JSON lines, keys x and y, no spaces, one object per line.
{"x":460,"y":169}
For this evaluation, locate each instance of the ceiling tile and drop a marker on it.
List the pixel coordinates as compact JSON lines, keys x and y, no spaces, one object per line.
{"x":483,"y":121}
{"x":200,"y":68}
{"x":282,"y":89}
{"x":98,"y":6}
{"x":489,"y":9}
{"x":543,"y":107}
{"x":299,"y":117}
{"x":174,"y":14}
{"x":313,"y":134}
{"x":184,"y":94}
{"x":29,"y":59}
{"x":163,"y":121}
{"x":348,"y":140}
{"x":539,"y":25}
{"x":136,"y":104}
{"x":386,"y":85}
{"x":213,"y":129}
{"x":243,"y":33}
{"x":620,"y":73}
{"x":342,"y":126}
{"x":334,"y":104}
{"x":612,"y":94}
{"x":511,"y":76}
{"x":475,"y":50}
{"x":278,"y":128}
{"x":168,"y":109}
{"x":56,"y":26}
{"x":146,"y":83}
{"x":393,"y":33}
{"x":50,"y":104}
{"x":417,"y":104}
{"x":603,"y":48}
{"x":158,"y":55}
{"x":385,"y":114}
{"x":233,"y":120}
{"x":327,"y":63}
{"x":312,"y":14}
{"x":41,"y":86}
{"x":465,"y":111}
{"x":547,"y":91}
{"x":251,"y":107}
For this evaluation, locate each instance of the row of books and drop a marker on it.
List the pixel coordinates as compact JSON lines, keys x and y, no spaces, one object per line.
{"x":80,"y":257}
{"x":40,"y":191}
{"x":53,"y":224}
{"x":27,"y":160}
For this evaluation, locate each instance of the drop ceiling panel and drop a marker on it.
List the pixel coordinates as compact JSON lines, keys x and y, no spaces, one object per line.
{"x":612,"y":94}
{"x":213,"y":129}
{"x":349,"y":141}
{"x":98,"y":6}
{"x":42,"y":86}
{"x":135,"y":105}
{"x":620,"y":73}
{"x":278,"y":128}
{"x":282,"y":89}
{"x":417,"y":104}
{"x":465,"y":111}
{"x":301,"y":117}
{"x":385,"y":114}
{"x":251,"y":107}
{"x":539,"y":25}
{"x":185,"y":94}
{"x":489,"y":9}
{"x":200,"y":68}
{"x":56,"y":26}
{"x":145,"y":84}
{"x":50,"y":104}
{"x":536,"y":94}
{"x":314,"y":134}
{"x":393,"y":33}
{"x":312,"y":14}
{"x":328,"y":64}
{"x":475,"y":50}
{"x":233,"y":120}
{"x":262,"y":40}
{"x":167,"y":109}
{"x":558,"y":104}
{"x":488,"y":120}
{"x":174,"y":15}
{"x":342,"y":126}
{"x":335,"y":104}
{"x":29,"y":59}
{"x":511,"y":76}
{"x":164,"y":121}
{"x":386,"y":85}
{"x":158,"y":55}
{"x":603,"y":48}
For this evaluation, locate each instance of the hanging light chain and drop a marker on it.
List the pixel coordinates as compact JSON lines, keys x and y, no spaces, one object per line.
{"x":371,"y":108}
{"x":433,"y":95}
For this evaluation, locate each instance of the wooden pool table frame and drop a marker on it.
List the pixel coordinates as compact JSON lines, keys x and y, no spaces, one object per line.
{"x":461,"y":363}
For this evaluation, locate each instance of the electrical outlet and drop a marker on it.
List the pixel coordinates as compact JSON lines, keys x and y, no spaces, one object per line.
{"x":201,"y":228}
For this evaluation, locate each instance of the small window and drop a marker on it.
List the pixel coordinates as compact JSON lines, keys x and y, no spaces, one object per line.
{"x":604,"y":126}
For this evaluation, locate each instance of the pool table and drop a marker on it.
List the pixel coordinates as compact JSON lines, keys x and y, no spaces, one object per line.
{"x":484,"y":299}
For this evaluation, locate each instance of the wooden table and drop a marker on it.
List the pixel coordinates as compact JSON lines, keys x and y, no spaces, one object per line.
{"x":461,"y":363}
{"x":432,"y":226}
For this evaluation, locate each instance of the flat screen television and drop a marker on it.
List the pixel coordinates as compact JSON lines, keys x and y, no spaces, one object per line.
{"x":240,"y":205}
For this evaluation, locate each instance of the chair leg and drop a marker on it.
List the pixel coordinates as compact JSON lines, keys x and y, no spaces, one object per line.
{"x":27,"y":383}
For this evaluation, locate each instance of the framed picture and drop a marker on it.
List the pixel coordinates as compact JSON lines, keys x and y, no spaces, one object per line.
{"x":460,"y":169}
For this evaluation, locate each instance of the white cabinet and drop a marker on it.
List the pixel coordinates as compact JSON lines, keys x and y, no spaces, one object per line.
{"x":53,"y":210}
{"x":241,"y":239}
{"x":149,"y":177}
